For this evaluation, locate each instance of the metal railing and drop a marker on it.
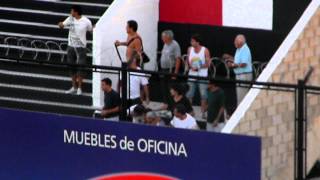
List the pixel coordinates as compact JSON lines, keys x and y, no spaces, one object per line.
{"x":218,"y":67}
{"x":36,"y":47}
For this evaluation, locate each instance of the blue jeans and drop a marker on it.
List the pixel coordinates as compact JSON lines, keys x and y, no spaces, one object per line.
{"x":203,"y":88}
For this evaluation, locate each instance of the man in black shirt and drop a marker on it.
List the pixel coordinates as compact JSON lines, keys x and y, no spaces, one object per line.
{"x":112,"y":101}
{"x":216,"y":103}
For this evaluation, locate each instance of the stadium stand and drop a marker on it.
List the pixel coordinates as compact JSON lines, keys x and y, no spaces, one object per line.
{"x":42,"y":89}
{"x":29,"y":32}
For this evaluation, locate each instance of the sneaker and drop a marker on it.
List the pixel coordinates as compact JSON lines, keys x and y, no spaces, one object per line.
{"x":79,"y":91}
{"x":71,"y":91}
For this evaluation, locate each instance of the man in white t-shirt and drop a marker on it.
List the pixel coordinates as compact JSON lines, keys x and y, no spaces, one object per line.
{"x":136,"y":81}
{"x":78,"y":26}
{"x":182,"y":119}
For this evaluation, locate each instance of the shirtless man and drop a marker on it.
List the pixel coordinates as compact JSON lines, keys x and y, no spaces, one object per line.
{"x":134,"y":42}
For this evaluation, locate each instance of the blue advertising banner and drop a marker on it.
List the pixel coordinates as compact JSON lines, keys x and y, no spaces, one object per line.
{"x":40,"y":146}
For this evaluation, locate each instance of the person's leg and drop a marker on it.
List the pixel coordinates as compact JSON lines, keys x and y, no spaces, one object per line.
{"x":246,"y":77}
{"x":242,"y":91}
{"x":203,"y":88}
{"x":165,"y":85}
{"x":71,"y":58}
{"x":80,"y":81}
{"x":192,"y":89}
{"x":81,"y":60}
{"x":74,"y":82}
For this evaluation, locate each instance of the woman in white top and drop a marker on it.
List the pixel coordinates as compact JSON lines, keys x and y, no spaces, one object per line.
{"x":199,"y":62}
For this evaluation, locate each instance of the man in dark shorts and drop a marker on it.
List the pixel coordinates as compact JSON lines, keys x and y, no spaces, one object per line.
{"x":112,"y":101}
{"x":78,"y":25}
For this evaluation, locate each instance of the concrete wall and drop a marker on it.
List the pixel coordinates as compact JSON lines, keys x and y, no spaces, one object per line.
{"x":112,"y":27}
{"x":271,"y":115}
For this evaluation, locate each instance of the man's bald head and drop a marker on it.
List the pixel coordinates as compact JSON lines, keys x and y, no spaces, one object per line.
{"x":240,"y":40}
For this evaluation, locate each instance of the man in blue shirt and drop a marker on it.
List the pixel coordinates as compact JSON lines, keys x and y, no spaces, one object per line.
{"x":242,"y":64}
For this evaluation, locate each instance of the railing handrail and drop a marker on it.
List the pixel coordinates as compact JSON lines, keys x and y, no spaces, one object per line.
{"x":96,"y":68}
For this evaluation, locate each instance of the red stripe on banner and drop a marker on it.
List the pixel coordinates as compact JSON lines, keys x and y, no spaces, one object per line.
{"x":135,"y":177}
{"x":207,"y":12}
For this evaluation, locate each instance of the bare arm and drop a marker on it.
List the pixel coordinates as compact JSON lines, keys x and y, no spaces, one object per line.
{"x":208,"y":57}
{"x":61,"y":25}
{"x":241,"y":65}
{"x":146,"y":92}
{"x":118,"y":43}
{"x":188,"y":55}
{"x":190,"y":66}
{"x":178,"y":65}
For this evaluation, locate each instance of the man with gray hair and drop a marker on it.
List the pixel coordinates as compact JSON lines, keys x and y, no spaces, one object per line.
{"x":171,"y":53}
{"x":170,"y":61}
{"x":242,"y":64}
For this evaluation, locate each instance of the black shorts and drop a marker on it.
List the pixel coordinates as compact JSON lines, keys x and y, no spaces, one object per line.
{"x":77,"y":55}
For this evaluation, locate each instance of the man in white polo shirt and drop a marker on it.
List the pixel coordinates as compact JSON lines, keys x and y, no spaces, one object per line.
{"x":136,"y":81}
{"x":78,"y":25}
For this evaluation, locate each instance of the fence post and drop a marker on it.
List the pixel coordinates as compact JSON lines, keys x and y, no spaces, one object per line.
{"x":124,"y":79}
{"x":301,"y":128}
{"x":300,"y":143}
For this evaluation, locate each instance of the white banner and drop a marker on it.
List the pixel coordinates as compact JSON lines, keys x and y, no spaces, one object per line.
{"x":256,"y":14}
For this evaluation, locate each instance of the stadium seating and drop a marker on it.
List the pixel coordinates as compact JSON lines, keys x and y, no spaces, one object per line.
{"x":29,"y":31}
